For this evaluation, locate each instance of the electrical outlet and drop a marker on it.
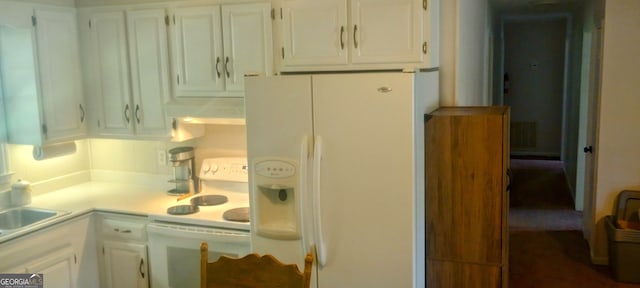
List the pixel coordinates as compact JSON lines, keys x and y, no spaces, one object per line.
{"x":162,"y":157}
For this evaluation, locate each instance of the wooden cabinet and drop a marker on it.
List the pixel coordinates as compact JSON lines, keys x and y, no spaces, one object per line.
{"x":356,"y":34}
{"x":130,"y":72}
{"x":467,"y":159}
{"x":123,"y":251}
{"x":42,"y":83}
{"x":214,"y":46}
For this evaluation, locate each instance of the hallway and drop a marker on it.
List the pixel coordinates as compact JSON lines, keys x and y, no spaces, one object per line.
{"x":547,"y":248}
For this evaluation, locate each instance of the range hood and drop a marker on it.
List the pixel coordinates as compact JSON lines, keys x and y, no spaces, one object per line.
{"x":215,"y":110}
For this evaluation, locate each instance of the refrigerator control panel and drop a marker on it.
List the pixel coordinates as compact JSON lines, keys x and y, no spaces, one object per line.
{"x":275,"y":169}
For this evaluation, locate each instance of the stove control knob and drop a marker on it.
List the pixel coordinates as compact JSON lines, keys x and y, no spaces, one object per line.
{"x":213,"y":168}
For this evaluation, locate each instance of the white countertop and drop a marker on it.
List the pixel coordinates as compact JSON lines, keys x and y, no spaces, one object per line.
{"x":117,"y":198}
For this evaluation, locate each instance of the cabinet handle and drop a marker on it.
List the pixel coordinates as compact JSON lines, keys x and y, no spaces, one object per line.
{"x":122,"y":231}
{"x":126,"y":113}
{"x":218,"y":67}
{"x":82,"y":113}
{"x":226,"y":66}
{"x":355,"y":40}
{"x":341,"y":37}
{"x":137,"y":113}
{"x":140,"y":267}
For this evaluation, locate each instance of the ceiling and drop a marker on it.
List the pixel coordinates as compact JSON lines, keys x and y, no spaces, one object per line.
{"x":548,"y":6}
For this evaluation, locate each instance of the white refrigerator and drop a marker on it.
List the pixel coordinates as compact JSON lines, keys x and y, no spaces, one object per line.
{"x":336,"y":167}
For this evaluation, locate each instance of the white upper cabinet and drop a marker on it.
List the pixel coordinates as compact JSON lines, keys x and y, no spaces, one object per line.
{"x":213,"y":47}
{"x":358,"y":34}
{"x":130,"y":72}
{"x":111,"y":90}
{"x":60,"y":76}
{"x":42,"y":86}
{"x":386,"y":31}
{"x":197,"y":51}
{"x":149,"y":62}
{"x":247,"y":42}
{"x":314,"y":33}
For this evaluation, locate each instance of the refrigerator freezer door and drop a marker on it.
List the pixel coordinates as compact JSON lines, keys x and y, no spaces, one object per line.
{"x":279,"y":126}
{"x":367,"y":191}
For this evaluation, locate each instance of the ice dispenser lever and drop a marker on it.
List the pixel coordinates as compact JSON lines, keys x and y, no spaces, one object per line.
{"x":281,"y":191}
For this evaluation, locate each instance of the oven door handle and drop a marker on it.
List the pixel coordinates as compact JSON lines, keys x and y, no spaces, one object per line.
{"x":200,"y":233}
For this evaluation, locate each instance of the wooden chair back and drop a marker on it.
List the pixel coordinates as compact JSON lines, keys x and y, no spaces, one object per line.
{"x":252,"y":271}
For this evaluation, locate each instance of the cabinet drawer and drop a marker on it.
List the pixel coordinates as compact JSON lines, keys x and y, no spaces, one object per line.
{"x":120,"y":229}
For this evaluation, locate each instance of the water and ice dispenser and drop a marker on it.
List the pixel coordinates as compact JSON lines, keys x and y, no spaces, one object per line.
{"x":276,"y":198}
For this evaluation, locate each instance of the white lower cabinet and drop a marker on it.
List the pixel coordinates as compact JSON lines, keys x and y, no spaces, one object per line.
{"x":58,"y":267}
{"x":123,"y":251}
{"x":65,"y":254}
{"x":125,"y":264}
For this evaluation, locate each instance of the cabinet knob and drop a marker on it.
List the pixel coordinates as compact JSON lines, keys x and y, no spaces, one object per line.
{"x":588,"y":149}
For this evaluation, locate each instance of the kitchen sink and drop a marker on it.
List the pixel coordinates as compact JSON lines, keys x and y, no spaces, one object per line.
{"x":21,"y":217}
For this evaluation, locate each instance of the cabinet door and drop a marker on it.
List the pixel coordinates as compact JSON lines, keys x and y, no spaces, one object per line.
{"x":197,"y":51}
{"x":125,"y":265}
{"x":247,"y":42}
{"x":59,"y":66}
{"x":149,"y":62}
{"x":314,"y":32}
{"x":57,"y":268}
{"x":111,"y":80}
{"x":386,"y":31}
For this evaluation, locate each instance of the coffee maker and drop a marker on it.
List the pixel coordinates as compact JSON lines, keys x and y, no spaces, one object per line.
{"x":182,"y":160}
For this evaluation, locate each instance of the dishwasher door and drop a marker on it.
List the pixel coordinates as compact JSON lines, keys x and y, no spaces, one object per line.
{"x":174,"y":251}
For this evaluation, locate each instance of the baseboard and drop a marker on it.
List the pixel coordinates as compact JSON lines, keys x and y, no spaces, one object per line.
{"x":533,"y":156}
{"x":599,"y":260}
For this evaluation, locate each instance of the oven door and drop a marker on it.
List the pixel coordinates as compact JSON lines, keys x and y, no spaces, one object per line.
{"x":174,"y":251}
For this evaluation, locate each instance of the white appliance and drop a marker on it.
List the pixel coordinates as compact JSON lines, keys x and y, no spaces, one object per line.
{"x":336,"y":163}
{"x":174,"y":240}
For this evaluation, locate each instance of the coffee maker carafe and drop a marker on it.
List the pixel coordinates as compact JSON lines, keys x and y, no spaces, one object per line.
{"x":183,"y":161}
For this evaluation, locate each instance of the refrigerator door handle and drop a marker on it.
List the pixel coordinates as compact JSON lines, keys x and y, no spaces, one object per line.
{"x":303,"y":184}
{"x":321,"y":252}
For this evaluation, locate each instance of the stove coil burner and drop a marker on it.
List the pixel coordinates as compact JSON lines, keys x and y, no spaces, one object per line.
{"x":182,"y":209}
{"x":237,"y":214}
{"x":209,"y":200}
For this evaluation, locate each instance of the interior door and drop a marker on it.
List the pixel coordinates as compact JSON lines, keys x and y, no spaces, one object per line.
{"x":592,"y":132}
{"x":363,"y":126}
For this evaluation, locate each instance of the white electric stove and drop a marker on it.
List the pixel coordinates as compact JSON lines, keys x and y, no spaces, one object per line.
{"x":222,"y":180}
{"x":174,"y":240}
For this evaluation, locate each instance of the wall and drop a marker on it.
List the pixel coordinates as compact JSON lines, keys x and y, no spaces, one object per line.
{"x":49,"y":174}
{"x":465,"y":33}
{"x":100,"y":159}
{"x":617,"y":153}
{"x":535,"y":59}
{"x":135,"y":156}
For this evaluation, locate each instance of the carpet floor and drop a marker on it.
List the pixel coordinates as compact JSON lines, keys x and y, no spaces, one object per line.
{"x":546,"y":247}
